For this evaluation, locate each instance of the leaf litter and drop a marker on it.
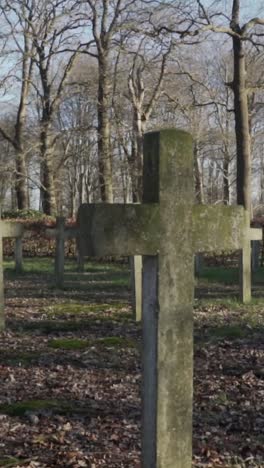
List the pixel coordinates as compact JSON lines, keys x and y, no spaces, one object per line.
{"x":82,"y":407}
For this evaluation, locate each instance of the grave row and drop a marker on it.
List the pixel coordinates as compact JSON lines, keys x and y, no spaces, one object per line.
{"x":248,"y":261}
{"x":167,"y":229}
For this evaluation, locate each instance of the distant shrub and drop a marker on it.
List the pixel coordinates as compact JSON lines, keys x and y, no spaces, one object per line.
{"x":26,"y":214}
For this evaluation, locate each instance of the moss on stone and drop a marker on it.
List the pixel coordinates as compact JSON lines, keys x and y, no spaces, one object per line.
{"x":102,"y":233}
{"x":218,"y":229}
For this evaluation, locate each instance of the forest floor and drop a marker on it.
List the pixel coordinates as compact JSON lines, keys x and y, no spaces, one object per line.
{"x":70,"y":371}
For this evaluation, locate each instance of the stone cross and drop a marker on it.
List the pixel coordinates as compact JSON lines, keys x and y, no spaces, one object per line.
{"x":245,"y":263}
{"x":18,"y":255}
{"x":255,"y":255}
{"x":7,"y":229}
{"x":167,"y":229}
{"x":198,"y":264}
{"x":60,"y":233}
{"x":136,"y":286}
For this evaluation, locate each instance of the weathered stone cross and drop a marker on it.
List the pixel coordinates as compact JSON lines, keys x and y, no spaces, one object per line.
{"x":60,"y":233}
{"x":167,"y":229}
{"x":7,"y":229}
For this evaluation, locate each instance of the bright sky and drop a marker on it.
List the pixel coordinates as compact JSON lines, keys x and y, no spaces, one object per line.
{"x":249,"y":8}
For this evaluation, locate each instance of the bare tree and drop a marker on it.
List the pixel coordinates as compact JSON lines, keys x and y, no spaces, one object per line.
{"x":143,"y":102}
{"x":6,"y":171}
{"x":106,"y":18}
{"x":76,"y":119}
{"x":55,"y":35}
{"x":18,"y":15}
{"x":240,"y":35}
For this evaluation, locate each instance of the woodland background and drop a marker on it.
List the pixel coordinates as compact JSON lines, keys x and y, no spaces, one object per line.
{"x":82,"y":80}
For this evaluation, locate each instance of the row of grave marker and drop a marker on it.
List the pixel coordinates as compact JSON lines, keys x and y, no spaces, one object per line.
{"x":167,"y":229}
{"x":13,"y":230}
{"x":62,"y":233}
{"x":255,"y":258}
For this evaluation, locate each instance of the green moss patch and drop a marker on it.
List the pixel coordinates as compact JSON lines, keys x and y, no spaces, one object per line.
{"x":19,"y":358}
{"x":118,"y":277}
{"x":231,"y":332}
{"x":254,"y":319}
{"x":77,"y":344}
{"x":87,"y":408}
{"x":97,"y":271}
{"x":11,"y":461}
{"x":39,"y":265}
{"x":101,"y":267}
{"x":69,"y":344}
{"x":22,"y":407}
{"x":61,"y":407}
{"x":95,"y":286}
{"x":50,"y":326}
{"x":115,"y":341}
{"x":28,"y":215}
{"x":78,"y":308}
{"x":240,"y":315}
{"x":219,"y":275}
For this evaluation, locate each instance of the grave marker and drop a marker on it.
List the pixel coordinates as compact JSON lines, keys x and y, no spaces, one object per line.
{"x":136,"y":286}
{"x":198,"y":264}
{"x":18,"y":255}
{"x":167,"y":229}
{"x":245,"y":258}
{"x":255,"y":255}
{"x":60,"y":233}
{"x":7,"y":229}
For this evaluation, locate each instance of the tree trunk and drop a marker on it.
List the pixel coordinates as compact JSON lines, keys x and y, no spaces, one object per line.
{"x":20,"y":181}
{"x":226,"y":189}
{"x":199,"y":191}
{"x":226,"y":162}
{"x":136,"y":160}
{"x":81,"y":186}
{"x":261,"y":199}
{"x":13,"y":199}
{"x":104,"y":152}
{"x":21,"y":184}
{"x":47,"y":170}
{"x":210,"y":188}
{"x":73,"y":203}
{"x":49,"y":196}
{"x":242,"y":126}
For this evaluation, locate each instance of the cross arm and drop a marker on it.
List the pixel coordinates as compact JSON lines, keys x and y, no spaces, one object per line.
{"x":68,"y":233}
{"x":118,"y":229}
{"x":71,"y":232}
{"x":255,"y":234}
{"x":9,"y":229}
{"x":217,"y":228}
{"x":51,"y":233}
